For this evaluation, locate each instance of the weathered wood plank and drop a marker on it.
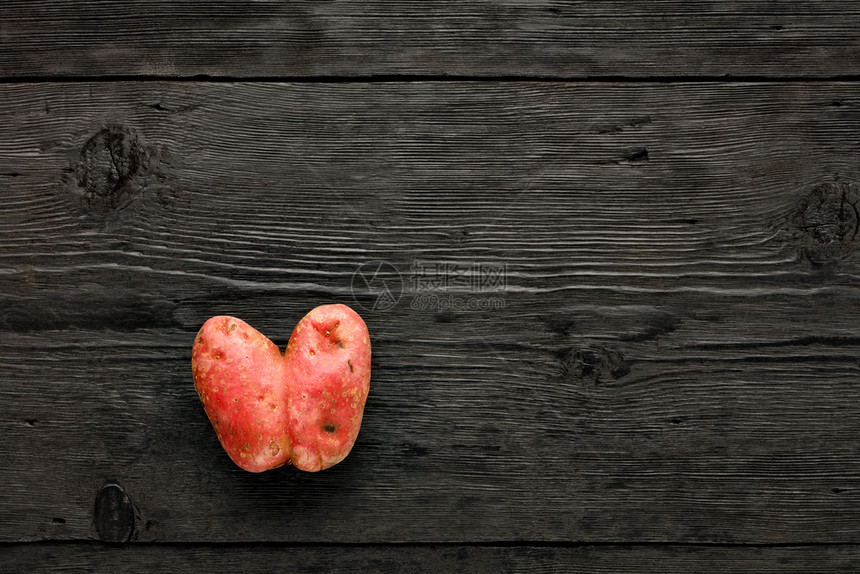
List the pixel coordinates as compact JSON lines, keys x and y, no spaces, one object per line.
{"x":48,"y":557}
{"x":671,"y":354}
{"x":564,"y":39}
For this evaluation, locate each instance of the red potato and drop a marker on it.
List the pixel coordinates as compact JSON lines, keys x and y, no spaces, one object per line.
{"x":302,"y":407}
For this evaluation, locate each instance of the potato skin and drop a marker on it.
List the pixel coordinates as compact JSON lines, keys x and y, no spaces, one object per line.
{"x":302,"y":407}
{"x":328,"y":363}
{"x":239,"y":374}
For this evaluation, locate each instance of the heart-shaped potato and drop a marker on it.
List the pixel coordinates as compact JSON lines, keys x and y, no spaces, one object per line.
{"x":303,"y":406}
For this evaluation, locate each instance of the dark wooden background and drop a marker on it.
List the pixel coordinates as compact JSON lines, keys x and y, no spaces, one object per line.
{"x":642,"y":351}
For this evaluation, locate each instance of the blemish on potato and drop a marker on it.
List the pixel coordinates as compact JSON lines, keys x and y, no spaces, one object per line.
{"x":274,"y":449}
{"x":329,"y":427}
{"x":231,"y":327}
{"x":349,"y":364}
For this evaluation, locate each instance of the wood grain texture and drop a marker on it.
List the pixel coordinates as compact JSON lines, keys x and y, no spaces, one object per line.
{"x":671,"y":559}
{"x":558,"y":39}
{"x":672,"y":355}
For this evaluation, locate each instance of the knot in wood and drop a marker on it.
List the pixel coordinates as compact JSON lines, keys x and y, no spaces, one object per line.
{"x":107,"y":164}
{"x":113,"y":514}
{"x":827,"y":220}
{"x":593,"y":364}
